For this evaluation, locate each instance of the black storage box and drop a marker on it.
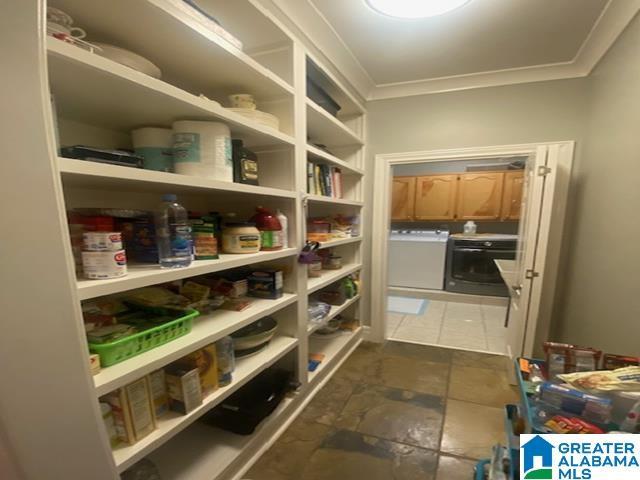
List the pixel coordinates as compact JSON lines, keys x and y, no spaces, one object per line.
{"x":243,"y":411}
{"x":317,"y":94}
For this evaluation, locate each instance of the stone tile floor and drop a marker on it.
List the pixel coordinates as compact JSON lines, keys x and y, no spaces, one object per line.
{"x":397,"y":411}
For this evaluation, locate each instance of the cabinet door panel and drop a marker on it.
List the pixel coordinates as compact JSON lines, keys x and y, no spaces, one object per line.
{"x":512,"y":196}
{"x":403,"y":195}
{"x":436,"y":197}
{"x":480,"y":196}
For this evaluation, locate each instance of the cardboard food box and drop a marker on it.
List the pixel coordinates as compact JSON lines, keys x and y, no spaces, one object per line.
{"x":266,"y":284}
{"x":132,"y":411}
{"x":185,"y":393}
{"x":206,"y":361}
{"x":158,"y":391}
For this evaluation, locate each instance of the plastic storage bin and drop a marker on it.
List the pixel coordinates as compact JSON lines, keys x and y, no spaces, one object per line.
{"x":128,"y":347}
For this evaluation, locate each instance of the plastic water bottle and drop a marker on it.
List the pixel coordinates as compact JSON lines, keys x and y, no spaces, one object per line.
{"x":173,"y":234}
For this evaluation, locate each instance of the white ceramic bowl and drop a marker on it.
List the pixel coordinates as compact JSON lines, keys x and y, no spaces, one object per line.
{"x":129,"y":59}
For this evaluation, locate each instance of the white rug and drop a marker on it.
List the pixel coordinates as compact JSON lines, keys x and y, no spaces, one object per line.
{"x":406,"y":305}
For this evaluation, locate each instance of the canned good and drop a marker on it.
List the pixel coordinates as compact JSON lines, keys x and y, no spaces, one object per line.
{"x":332,"y":262}
{"x":102,"y":241}
{"x":104,"y":265}
{"x":314,"y":269}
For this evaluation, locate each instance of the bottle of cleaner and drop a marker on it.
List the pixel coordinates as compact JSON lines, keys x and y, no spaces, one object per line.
{"x":173,"y":234}
{"x":284,"y":223}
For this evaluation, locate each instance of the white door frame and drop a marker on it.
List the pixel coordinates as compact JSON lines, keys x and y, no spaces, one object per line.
{"x":381,"y":221}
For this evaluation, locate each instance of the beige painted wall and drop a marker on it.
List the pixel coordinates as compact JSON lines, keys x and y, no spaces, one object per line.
{"x":527,"y":113}
{"x":602,"y":284}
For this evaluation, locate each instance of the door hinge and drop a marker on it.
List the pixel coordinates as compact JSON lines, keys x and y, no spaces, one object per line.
{"x":543,"y":171}
{"x":531,"y":274}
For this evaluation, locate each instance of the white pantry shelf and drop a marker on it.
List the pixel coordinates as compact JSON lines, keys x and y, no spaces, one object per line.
{"x":336,"y":201}
{"x":96,"y":90}
{"x":172,"y":423}
{"x":314,"y":153}
{"x":201,"y":450}
{"x":189,"y":54}
{"x":144,"y":275}
{"x":325,"y":129}
{"x":334,"y":349}
{"x":330,"y":276}
{"x":206,"y":330}
{"x":335,"y":310}
{"x":81,"y":173}
{"x":339,"y":241}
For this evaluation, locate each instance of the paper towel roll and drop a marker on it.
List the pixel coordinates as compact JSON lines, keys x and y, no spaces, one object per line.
{"x":155,"y":146}
{"x":203,"y":149}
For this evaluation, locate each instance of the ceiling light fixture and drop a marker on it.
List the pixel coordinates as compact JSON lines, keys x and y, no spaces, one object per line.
{"x":415,"y":8}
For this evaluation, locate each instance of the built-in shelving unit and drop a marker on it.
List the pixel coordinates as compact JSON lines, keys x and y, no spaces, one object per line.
{"x":97,"y":102}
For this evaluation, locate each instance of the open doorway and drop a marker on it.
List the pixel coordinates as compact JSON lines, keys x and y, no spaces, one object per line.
{"x":496,"y":284}
{"x":452,"y":223}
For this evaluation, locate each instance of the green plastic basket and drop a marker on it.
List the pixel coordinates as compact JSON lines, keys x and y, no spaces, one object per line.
{"x":125,"y":348}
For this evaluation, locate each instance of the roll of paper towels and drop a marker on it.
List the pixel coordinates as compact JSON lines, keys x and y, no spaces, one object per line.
{"x":203,"y":149}
{"x":155,"y":146}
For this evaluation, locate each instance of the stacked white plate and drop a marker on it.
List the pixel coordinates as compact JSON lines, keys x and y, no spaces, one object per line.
{"x":257,"y":116}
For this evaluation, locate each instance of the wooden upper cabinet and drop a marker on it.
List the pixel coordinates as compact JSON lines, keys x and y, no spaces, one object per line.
{"x":403,"y":196}
{"x":512,"y":195}
{"x":436,"y":197}
{"x":480,"y":196}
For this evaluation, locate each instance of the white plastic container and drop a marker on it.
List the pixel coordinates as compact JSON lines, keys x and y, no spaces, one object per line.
{"x":101,"y":241}
{"x":284,"y":223}
{"x":104,"y":265}
{"x":203,"y":149}
{"x":155,"y":145}
{"x":470,"y":228}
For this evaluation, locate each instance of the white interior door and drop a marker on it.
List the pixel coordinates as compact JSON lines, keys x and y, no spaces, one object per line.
{"x":544,"y":200}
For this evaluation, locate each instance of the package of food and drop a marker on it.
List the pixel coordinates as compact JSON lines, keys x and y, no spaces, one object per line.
{"x":569,"y":400}
{"x":265,"y":284}
{"x":557,"y":358}
{"x":185,"y":393}
{"x":94,"y":363}
{"x":621,"y":380}
{"x":206,"y":362}
{"x":110,"y":333}
{"x":109,"y":424}
{"x":571,"y":425}
{"x":584,"y":359}
{"x":132,"y":411}
{"x":156,"y":297}
{"x":159,"y":394}
{"x":226,"y":360}
{"x":613,"y":362}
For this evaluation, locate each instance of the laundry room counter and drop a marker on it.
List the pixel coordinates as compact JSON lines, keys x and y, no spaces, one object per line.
{"x":507,"y":270}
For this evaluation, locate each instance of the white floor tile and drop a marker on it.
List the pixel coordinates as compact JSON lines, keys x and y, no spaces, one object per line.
{"x":429,"y":323}
{"x":494,"y":312}
{"x":495,"y":327}
{"x":415,"y":334}
{"x":463,"y":310}
{"x":394,"y":319}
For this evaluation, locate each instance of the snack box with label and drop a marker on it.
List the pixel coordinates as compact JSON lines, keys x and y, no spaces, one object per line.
{"x":205,"y":361}
{"x":185,"y":393}
{"x":132,"y":411}
{"x":266,"y":284}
